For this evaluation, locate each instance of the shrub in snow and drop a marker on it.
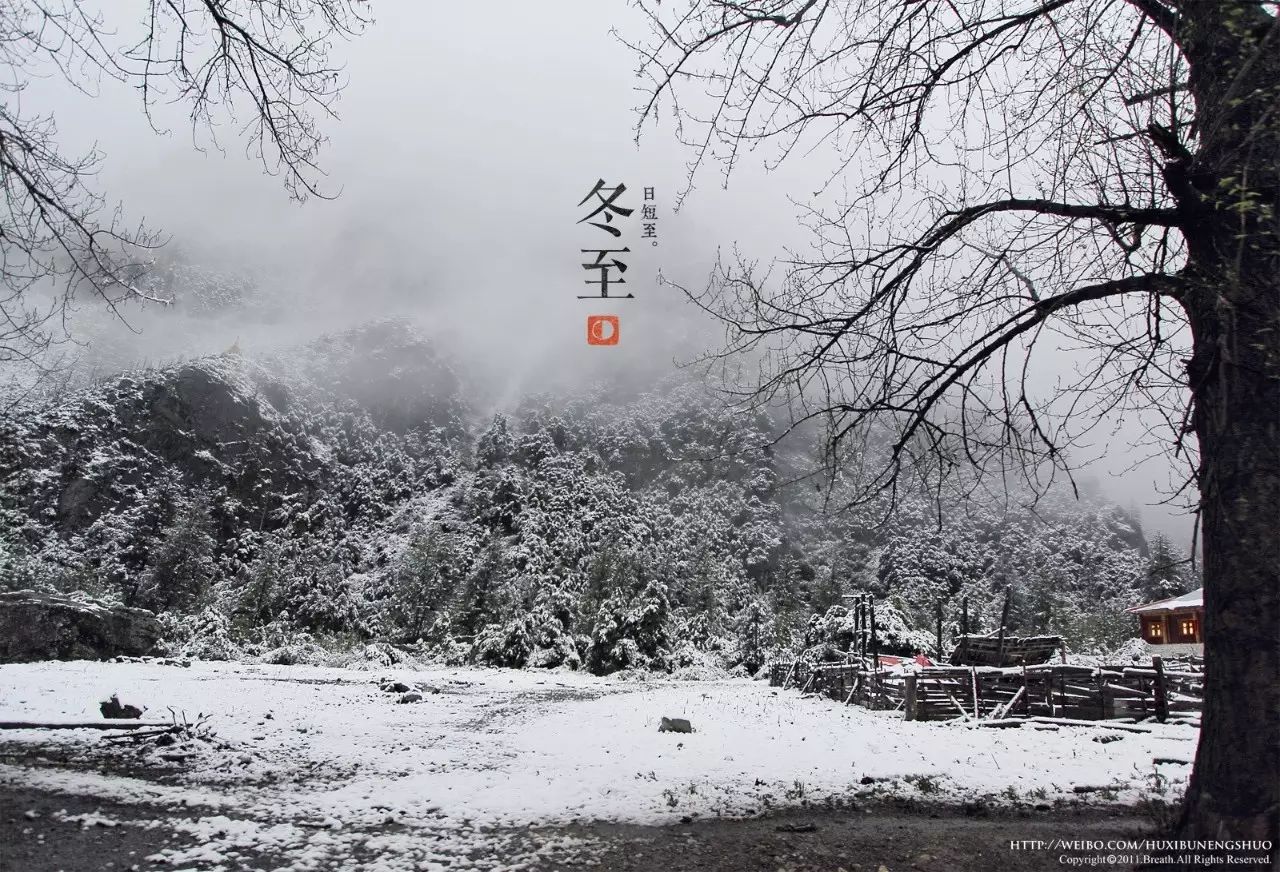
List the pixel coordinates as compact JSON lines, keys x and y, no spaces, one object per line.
{"x":631,"y":631}
{"x":535,"y":633}
{"x":564,"y":653}
{"x":701,"y":672}
{"x":691,"y":662}
{"x":895,"y":635}
{"x":205,"y":635}
{"x":323,"y":599}
{"x":507,"y":644}
{"x":301,"y":651}
{"x":554,"y":646}
{"x":453,"y":652}
{"x":828,"y":637}
{"x":379,"y":654}
{"x":635,"y":674}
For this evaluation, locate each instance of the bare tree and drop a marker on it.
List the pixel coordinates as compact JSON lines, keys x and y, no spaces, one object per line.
{"x":1019,"y":179}
{"x":262,"y":64}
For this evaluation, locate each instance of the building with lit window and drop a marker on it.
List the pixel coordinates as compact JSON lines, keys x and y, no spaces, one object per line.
{"x":1174,"y":625}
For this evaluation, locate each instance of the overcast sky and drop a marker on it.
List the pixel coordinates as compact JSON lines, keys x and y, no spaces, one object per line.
{"x":467,"y":136}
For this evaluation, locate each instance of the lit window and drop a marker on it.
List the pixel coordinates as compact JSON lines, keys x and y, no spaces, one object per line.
{"x":1187,"y":627}
{"x":1155,"y":631}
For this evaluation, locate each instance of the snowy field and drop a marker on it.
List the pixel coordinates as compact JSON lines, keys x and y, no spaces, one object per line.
{"x":319,"y":765}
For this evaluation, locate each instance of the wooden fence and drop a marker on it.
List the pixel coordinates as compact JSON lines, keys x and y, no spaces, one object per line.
{"x":853,"y":682}
{"x":1054,"y":690}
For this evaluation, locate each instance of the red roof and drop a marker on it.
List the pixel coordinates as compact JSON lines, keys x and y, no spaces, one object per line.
{"x":893,"y":660}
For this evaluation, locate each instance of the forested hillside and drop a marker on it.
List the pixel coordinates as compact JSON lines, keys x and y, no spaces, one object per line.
{"x":350,"y":490}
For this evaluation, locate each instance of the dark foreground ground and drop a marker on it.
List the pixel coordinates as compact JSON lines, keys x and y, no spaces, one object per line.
{"x":32,"y":839}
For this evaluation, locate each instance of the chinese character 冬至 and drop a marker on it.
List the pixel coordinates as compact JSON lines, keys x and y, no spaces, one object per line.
{"x":604,"y":280}
{"x":606,"y":196}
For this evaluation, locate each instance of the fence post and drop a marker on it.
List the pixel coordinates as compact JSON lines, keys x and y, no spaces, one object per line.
{"x":1004,"y":619}
{"x":938,"y":633}
{"x":1162,"y":698}
{"x":909,"y":706}
{"x":790,"y":672}
{"x":862,"y":622}
{"x":875,"y":653}
{"x":1102,"y":693}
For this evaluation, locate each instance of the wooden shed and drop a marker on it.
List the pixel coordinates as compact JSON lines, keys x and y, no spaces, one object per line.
{"x":1176,"y":621}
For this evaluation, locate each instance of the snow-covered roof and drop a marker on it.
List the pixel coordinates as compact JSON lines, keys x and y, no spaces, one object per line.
{"x":1192,"y":600}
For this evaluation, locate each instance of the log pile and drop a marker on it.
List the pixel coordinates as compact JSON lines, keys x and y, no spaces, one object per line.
{"x":1001,"y":650}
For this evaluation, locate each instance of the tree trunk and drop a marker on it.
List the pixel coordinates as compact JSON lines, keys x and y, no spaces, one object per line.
{"x":1235,"y":788}
{"x":1229,"y":193}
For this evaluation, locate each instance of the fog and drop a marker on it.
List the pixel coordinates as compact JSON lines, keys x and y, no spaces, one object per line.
{"x":467,"y":136}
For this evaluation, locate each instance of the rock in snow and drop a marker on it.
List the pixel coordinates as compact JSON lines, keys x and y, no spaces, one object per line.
{"x":35,"y":626}
{"x":675,"y":725}
{"x":113,"y":708}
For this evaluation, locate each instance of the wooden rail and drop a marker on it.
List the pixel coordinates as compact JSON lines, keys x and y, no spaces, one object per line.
{"x":1055,"y":690}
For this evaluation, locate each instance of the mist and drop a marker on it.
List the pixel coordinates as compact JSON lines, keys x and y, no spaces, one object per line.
{"x":464,"y":144}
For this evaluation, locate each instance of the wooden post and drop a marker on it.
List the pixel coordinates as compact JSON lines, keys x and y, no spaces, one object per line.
{"x":1162,"y":698}
{"x":1102,"y":693}
{"x":910,"y":704}
{"x":862,"y":611}
{"x":857,"y":621}
{"x":1004,"y":619}
{"x":875,"y":640}
{"x":875,"y":650}
{"x":1026,"y":693}
{"x":973,"y":680}
{"x":938,"y":631}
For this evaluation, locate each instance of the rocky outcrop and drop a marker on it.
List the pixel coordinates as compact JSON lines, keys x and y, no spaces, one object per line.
{"x":36,"y":626}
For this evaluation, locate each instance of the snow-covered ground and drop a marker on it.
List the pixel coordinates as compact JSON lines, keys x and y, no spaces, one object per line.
{"x":319,"y":763}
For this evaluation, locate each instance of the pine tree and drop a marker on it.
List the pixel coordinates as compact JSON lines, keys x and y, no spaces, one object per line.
{"x":421,"y":583}
{"x":181,"y":565}
{"x":478,"y":591}
{"x":1166,"y":574}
